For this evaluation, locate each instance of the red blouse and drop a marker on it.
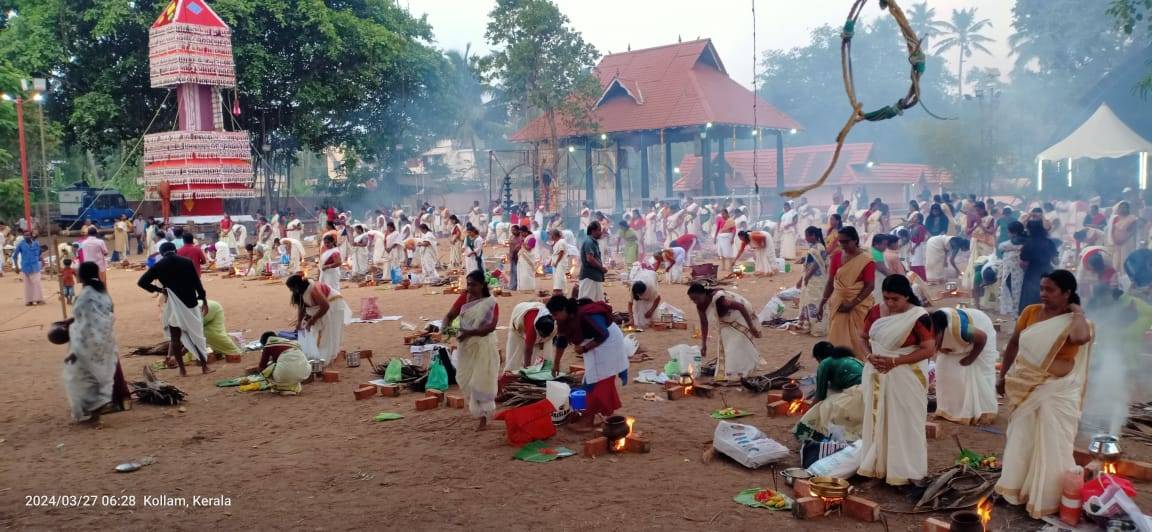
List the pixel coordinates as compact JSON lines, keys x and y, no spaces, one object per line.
{"x":867,"y":274}
{"x":920,"y":332}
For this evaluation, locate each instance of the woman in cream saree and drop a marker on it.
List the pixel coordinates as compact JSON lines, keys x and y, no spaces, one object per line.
{"x":813,"y":282}
{"x":895,"y":383}
{"x":848,"y":297}
{"x":1043,"y":377}
{"x":478,"y":370}
{"x":965,"y":366}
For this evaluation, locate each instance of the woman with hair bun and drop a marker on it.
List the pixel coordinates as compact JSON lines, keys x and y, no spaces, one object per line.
{"x":92,"y":375}
{"x":1043,"y":376}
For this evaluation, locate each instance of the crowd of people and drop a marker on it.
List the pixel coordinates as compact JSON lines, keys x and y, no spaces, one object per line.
{"x":864,"y":286}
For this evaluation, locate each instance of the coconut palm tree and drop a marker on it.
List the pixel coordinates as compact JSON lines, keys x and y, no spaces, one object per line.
{"x":476,"y":112}
{"x":924,"y":22}
{"x":962,"y":32}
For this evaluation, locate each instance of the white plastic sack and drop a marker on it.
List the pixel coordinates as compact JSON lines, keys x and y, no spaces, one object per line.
{"x":788,"y":294}
{"x":687,"y":356}
{"x":632,"y":344}
{"x":774,"y":309}
{"x":842,"y":464}
{"x":665,"y":308}
{"x":307,"y":341}
{"x":557,"y":394}
{"x":747,"y":445}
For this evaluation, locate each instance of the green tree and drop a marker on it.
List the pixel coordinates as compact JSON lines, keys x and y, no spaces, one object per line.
{"x":542,"y":64}
{"x":1128,"y":15}
{"x":1075,"y":50}
{"x":286,"y":53}
{"x":962,"y":33}
{"x":477,"y":122}
{"x":924,"y":22}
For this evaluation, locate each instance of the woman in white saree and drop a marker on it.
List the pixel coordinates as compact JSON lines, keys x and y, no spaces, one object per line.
{"x":1043,"y":377}
{"x":361,"y":257}
{"x":321,"y":311}
{"x":295,"y":254}
{"x":965,"y":366}
{"x":478,"y":370}
{"x":737,"y":327}
{"x":526,"y":262}
{"x":645,"y":298}
{"x":92,"y":375}
{"x":330,"y":261}
{"x":895,"y":382}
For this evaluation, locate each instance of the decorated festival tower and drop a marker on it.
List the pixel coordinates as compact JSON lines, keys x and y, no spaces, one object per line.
{"x":200,"y":164}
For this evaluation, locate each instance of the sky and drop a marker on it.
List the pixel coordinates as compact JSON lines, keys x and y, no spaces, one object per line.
{"x":614,"y":25}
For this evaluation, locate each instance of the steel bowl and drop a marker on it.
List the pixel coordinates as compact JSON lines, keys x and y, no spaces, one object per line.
{"x":1104,"y":447}
{"x":829,"y":488}
{"x":792,"y":474}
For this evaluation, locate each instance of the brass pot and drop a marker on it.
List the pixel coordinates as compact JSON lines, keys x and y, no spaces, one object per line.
{"x":829,"y":488}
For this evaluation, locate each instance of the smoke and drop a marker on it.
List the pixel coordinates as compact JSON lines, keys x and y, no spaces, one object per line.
{"x":1114,"y":357}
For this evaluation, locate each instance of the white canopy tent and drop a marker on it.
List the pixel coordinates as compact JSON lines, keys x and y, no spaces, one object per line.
{"x":1102,"y":136}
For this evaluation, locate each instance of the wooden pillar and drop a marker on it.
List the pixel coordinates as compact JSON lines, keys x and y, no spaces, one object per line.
{"x":589,"y":185}
{"x":669,"y":174}
{"x":720,"y":186}
{"x":779,"y":162}
{"x":643,"y":168}
{"x":705,"y":165}
{"x":619,"y":177}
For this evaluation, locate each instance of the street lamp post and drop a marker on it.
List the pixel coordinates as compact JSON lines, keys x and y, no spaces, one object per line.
{"x":23,"y":158}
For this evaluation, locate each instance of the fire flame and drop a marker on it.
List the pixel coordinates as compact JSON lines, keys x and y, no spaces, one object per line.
{"x":618,"y":445}
{"x":794,"y":406}
{"x":984,"y":510}
{"x":1108,"y":468}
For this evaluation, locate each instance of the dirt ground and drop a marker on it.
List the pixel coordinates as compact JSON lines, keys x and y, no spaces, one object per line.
{"x":318,"y":461}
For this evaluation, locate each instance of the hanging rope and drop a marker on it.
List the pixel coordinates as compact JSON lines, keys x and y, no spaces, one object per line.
{"x":755,"y":116}
{"x":915,"y":57}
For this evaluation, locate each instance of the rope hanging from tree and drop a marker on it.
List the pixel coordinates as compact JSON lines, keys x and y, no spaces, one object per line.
{"x":915,"y":57}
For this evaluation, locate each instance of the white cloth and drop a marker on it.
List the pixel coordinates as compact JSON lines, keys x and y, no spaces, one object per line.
{"x":428,"y":258}
{"x":894,"y":446}
{"x":525,"y":271}
{"x":739,"y":353}
{"x":608,"y":359}
{"x":1042,"y":429}
{"x":647,"y":300}
{"x":936,"y":258}
{"x":330,"y":275}
{"x":88,"y":379}
{"x":329,"y":330}
{"x":517,"y":329}
{"x":559,"y":269}
{"x":590,"y":289}
{"x":724,"y":245}
{"x":223,"y":255}
{"x":788,"y":235}
{"x":965,"y":394}
{"x":676,"y":270}
{"x":191,"y":324}
{"x":295,"y":254}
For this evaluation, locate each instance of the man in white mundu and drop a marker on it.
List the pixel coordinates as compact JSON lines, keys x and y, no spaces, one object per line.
{"x":183,"y":317}
{"x":1043,"y":376}
{"x":737,"y":328}
{"x":965,"y":366}
{"x":561,"y":250}
{"x":530,"y":333}
{"x":895,"y":382}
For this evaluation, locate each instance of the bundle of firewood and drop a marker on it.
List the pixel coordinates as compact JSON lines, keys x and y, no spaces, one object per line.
{"x":158,"y":350}
{"x":773,"y":380}
{"x":1139,"y":425}
{"x":153,"y":391}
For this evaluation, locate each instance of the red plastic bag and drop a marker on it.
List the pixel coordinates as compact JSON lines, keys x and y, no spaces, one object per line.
{"x":369,"y":310}
{"x":528,"y":423}
{"x":1097,"y":486}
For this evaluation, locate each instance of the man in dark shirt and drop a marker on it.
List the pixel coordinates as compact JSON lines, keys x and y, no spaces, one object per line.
{"x":592,"y":270}
{"x":182,"y":287}
{"x":192,"y":252}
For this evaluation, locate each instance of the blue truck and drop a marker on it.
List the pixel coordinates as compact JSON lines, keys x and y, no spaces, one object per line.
{"x":80,"y":201}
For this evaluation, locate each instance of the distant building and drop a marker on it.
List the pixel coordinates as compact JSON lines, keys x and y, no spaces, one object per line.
{"x":856,"y":171}
{"x":448,"y":159}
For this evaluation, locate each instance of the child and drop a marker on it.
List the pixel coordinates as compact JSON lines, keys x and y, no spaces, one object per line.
{"x":68,"y":279}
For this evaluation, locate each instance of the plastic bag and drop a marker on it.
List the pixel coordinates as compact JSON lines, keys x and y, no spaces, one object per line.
{"x":688,"y":357}
{"x":557,"y":393}
{"x":394,"y":275}
{"x":369,"y":310}
{"x":774,"y":309}
{"x":789,"y":294}
{"x":307,"y":341}
{"x":632,"y":344}
{"x":747,"y":445}
{"x":395,"y":371}
{"x":841,"y":464}
{"x":437,"y":376}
